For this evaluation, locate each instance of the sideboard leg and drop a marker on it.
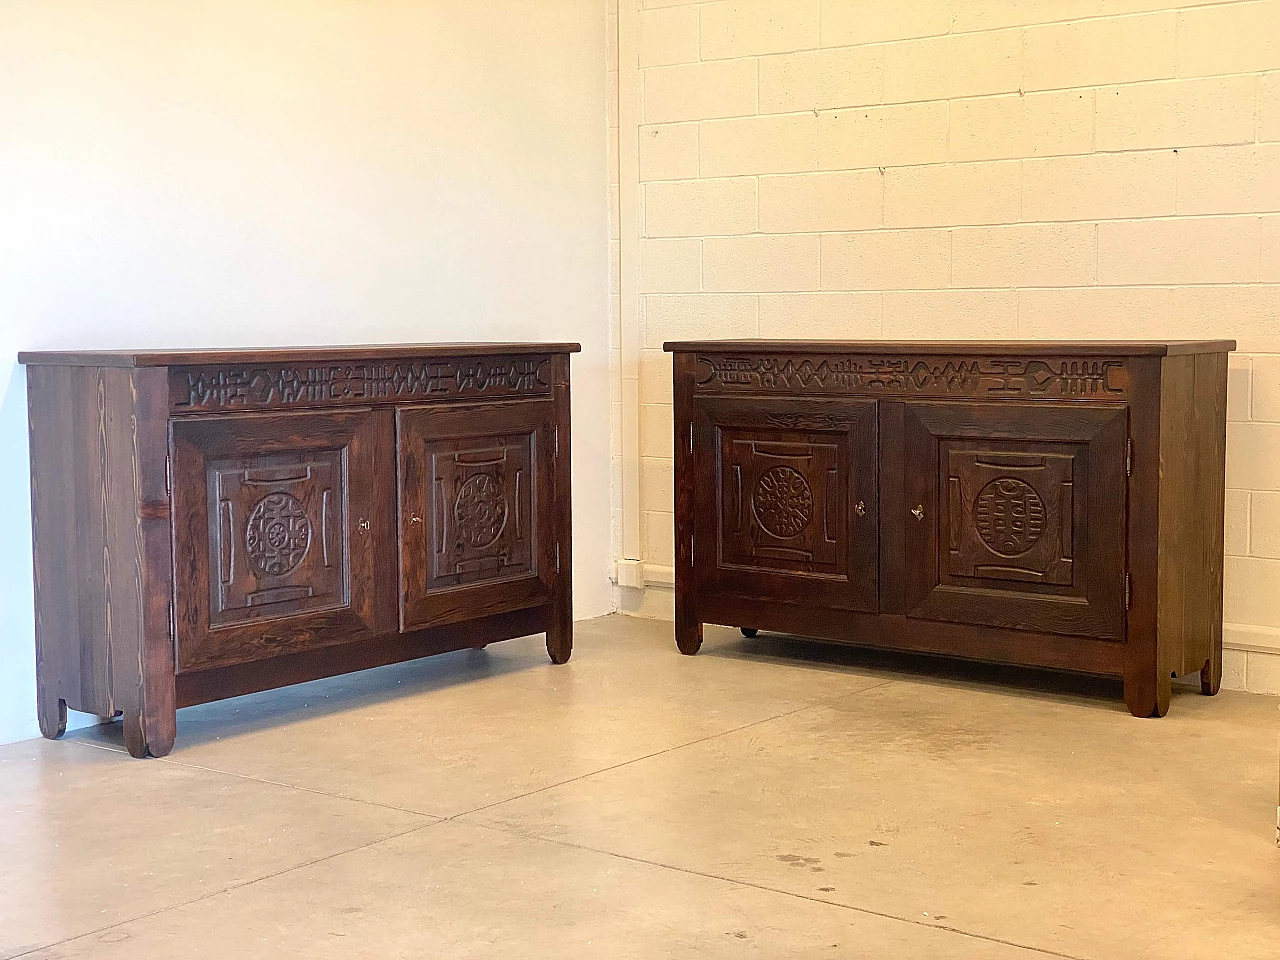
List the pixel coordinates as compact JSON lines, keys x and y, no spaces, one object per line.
{"x":149,"y":736}
{"x":1211,"y":675}
{"x":688,"y":634}
{"x":560,"y":642}
{"x":150,"y":718}
{"x":1148,"y":699}
{"x":51,"y":711}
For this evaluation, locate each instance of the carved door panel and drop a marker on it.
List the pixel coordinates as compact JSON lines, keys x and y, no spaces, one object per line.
{"x":477,"y":508}
{"x":1015,"y":515}
{"x":790,"y":487}
{"x":275,"y":522}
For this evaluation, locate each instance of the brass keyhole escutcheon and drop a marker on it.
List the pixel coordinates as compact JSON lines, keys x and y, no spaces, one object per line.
{"x":363,"y":525}
{"x":918,"y":511}
{"x":860,"y":509}
{"x":415,"y":519}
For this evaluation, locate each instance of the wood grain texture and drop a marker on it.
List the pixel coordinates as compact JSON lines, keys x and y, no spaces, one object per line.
{"x":689,"y":468}
{"x":1192,"y":492}
{"x":477,"y":510}
{"x":237,"y":679}
{"x":66,"y":415}
{"x":963,"y":348}
{"x":560,"y":629}
{"x":1067,"y":574}
{"x":1055,"y":505}
{"x":140,"y":559}
{"x":231,"y":606}
{"x":286,"y":355}
{"x":187,"y":558}
{"x":790,"y":500}
{"x":1146,"y":682}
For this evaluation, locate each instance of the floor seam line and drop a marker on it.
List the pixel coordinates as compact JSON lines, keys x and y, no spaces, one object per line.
{"x":227,"y":889}
{"x":767,"y":889}
{"x":649,"y":756}
{"x":440,"y":819}
{"x":292,"y":786}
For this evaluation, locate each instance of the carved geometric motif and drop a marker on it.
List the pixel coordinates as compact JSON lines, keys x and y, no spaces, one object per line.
{"x":915,"y":375}
{"x":480,"y":511}
{"x":781,"y":506}
{"x":783,"y":502}
{"x":481,"y":518}
{"x":282,"y":386}
{"x":277,"y":534}
{"x":1009,"y":512}
{"x":1009,"y":516}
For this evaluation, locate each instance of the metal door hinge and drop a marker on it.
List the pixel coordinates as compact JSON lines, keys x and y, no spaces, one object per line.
{"x":557,"y":558}
{"x":1128,"y":457}
{"x":557,"y":439}
{"x":168,"y":476}
{"x":1126,"y":591}
{"x":691,"y":438}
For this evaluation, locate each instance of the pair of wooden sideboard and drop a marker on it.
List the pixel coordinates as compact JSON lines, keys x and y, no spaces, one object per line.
{"x":1050,"y":504}
{"x":211,"y":523}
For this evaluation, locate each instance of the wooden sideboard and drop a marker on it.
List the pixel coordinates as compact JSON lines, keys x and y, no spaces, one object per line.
{"x":1050,"y":504}
{"x":211,"y":523}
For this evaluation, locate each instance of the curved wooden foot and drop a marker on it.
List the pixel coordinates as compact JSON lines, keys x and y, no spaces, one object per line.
{"x":560,"y":644}
{"x":689,"y":639}
{"x":1148,"y":701}
{"x":1211,"y":677}
{"x":749,"y":632}
{"x":51,"y":711}
{"x":136,"y":742}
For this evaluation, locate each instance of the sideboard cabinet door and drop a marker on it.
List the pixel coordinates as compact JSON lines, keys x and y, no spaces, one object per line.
{"x":275,"y":526}
{"x":791,"y":506}
{"x":477,"y":502}
{"x":1015,"y":515}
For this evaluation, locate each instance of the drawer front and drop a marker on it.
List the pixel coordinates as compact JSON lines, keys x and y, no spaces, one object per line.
{"x":1015,"y":515}
{"x":275,"y":526}
{"x":477,"y":502}
{"x":786,"y":495}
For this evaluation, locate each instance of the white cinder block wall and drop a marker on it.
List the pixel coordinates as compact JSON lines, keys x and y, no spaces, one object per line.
{"x":964,"y":169}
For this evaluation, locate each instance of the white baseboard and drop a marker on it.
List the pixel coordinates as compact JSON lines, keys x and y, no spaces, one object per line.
{"x":1250,"y":655}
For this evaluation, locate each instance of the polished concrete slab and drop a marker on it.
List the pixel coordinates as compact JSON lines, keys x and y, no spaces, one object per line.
{"x":768,"y":798}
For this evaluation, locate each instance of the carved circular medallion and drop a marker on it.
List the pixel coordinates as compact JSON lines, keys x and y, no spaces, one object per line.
{"x":480,"y":511}
{"x":277,"y":535}
{"x":783,"y":502}
{"x":1009,"y":515}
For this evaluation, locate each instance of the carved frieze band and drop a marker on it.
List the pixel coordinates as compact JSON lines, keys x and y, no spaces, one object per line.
{"x":279,"y":386}
{"x":909,"y":375}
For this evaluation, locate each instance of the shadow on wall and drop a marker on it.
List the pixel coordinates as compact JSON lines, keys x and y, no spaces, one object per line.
{"x":17,"y":608}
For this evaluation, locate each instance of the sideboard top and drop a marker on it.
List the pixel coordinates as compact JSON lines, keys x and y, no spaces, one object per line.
{"x":1097,"y":348}
{"x":383,"y":351}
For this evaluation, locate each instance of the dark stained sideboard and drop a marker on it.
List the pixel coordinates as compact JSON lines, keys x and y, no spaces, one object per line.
{"x":212,"y":523}
{"x":1056,"y":505}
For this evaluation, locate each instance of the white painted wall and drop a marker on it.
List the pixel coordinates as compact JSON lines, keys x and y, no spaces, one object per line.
{"x":265,"y":172}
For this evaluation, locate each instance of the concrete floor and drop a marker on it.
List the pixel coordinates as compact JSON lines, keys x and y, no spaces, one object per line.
{"x":768,"y":798}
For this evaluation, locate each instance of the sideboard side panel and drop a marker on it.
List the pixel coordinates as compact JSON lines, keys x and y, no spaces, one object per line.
{"x":67,"y":416}
{"x":688,"y":626}
{"x":560,"y":630}
{"x":139,"y":558}
{"x":1146,"y":682}
{"x":1192,"y":492}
